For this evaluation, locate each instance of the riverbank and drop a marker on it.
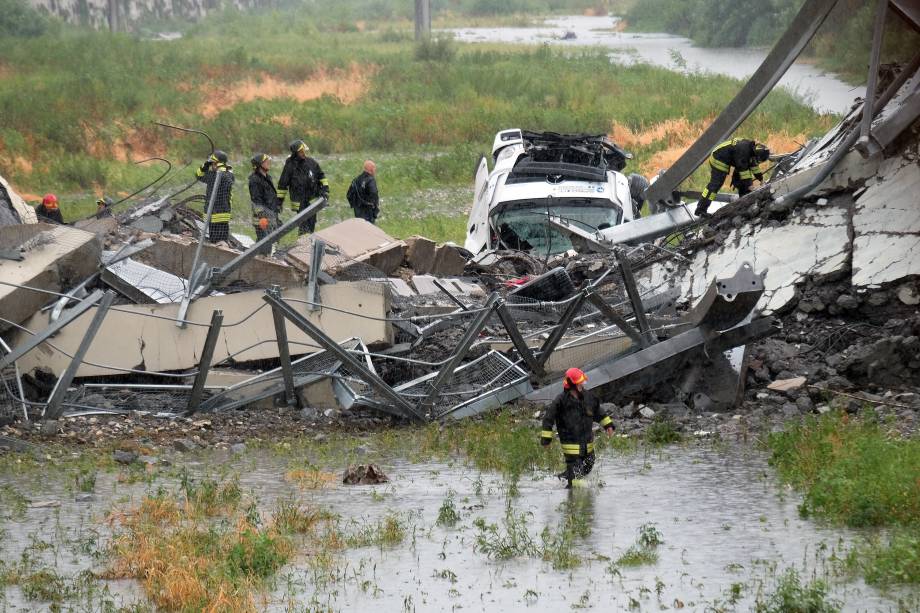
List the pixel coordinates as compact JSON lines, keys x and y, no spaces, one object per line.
{"x":424,"y":113}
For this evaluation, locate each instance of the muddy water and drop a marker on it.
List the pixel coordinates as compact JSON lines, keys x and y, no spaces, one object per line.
{"x":723,"y":519}
{"x":823,"y":91}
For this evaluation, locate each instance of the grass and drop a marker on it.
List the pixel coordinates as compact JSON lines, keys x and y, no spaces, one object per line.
{"x":448,"y":516}
{"x":425,"y":114}
{"x":662,"y":431}
{"x":643,"y":551}
{"x":791,"y":595}
{"x":855,"y":472}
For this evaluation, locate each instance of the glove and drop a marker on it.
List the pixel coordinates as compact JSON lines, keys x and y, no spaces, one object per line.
{"x":263,"y":224}
{"x":759,"y":176}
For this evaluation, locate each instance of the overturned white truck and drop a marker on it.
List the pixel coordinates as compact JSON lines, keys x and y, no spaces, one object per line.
{"x":535,"y":175}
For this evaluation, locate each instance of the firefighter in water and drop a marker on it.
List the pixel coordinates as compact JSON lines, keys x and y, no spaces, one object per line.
{"x":265,"y":202}
{"x":302,"y":180}
{"x":215,"y":167}
{"x":745,"y":156}
{"x":48,"y":211}
{"x":573,"y":413}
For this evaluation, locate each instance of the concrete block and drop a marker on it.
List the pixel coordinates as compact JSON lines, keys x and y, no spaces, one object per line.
{"x":424,"y":284}
{"x":420,"y":253}
{"x":353,"y":240}
{"x":448,"y":261}
{"x":175,"y":254}
{"x":54,"y":258}
{"x":787,"y":385}
{"x":99,"y":227}
{"x":23,"y":210}
{"x":130,"y":338}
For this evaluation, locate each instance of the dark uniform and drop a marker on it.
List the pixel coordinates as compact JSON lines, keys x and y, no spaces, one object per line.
{"x":219,"y":226}
{"x":302,"y":180}
{"x":265,"y":205}
{"x":49,"y":215}
{"x":363,"y":197}
{"x":741,"y":154}
{"x":574,"y":418}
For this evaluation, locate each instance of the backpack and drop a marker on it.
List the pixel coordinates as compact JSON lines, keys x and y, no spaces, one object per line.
{"x":354,"y":199}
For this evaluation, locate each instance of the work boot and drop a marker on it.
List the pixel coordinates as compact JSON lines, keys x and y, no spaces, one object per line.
{"x":702,"y":208}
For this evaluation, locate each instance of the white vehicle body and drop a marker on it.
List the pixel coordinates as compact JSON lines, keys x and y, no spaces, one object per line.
{"x":529,"y":180}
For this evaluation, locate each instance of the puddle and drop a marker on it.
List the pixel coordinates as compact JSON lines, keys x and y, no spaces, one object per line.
{"x":821,"y":90}
{"x":722,"y":517}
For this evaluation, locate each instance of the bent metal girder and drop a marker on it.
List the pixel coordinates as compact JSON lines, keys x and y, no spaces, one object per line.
{"x":713,"y":325}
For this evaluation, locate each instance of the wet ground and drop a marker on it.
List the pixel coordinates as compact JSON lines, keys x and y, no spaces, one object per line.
{"x":728,"y":531}
{"x":823,"y":91}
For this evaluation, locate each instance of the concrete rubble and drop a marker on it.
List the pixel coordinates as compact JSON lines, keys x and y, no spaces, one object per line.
{"x":804,"y":289}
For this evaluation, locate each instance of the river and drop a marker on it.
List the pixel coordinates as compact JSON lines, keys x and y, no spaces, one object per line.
{"x":821,"y":90}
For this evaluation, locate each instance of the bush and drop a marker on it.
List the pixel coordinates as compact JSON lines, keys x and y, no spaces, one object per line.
{"x":18,"y":19}
{"x":436,"y":49}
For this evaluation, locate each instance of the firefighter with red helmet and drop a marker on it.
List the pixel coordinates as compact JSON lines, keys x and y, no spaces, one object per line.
{"x":49,"y":211}
{"x":573,"y":414}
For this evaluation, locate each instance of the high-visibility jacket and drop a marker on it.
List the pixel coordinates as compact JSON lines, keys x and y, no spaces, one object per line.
{"x":223,"y":202}
{"x":302,"y":180}
{"x":737,"y":153}
{"x":574,"y":419}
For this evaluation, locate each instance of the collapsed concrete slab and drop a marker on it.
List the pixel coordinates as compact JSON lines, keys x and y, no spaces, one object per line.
{"x":425,"y":284}
{"x":424,"y":256}
{"x":816,"y":242}
{"x":99,"y":227}
{"x":13,"y":209}
{"x":144,"y":284}
{"x":145,"y":337}
{"x":351,"y":241}
{"x":175,"y":254}
{"x":54,"y":258}
{"x":886,"y":224}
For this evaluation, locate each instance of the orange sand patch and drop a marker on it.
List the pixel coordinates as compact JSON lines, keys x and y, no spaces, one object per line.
{"x":674,"y":131}
{"x":133,"y":146}
{"x":348,"y":86}
{"x":284,"y":120}
{"x":22,"y":164}
{"x":785,"y":143}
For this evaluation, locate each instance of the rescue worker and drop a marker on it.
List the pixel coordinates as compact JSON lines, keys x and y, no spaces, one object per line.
{"x":302,"y":180}
{"x":265,"y":202}
{"x":48,"y":211}
{"x":741,"y":154}
{"x":104,"y":207}
{"x":216,"y":166}
{"x":573,"y":413}
{"x":362,"y":193}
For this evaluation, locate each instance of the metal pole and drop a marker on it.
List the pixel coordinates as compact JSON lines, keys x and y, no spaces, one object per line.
{"x":39,"y":337}
{"x":316,"y":205}
{"x":204,"y":363}
{"x":613,"y":317}
{"x":517,"y":340}
{"x":878,"y":31}
{"x":447,"y":370}
{"x":316,"y":264}
{"x":187,"y":299}
{"x":634,"y":298}
{"x":53,"y":408}
{"x":284,"y":353}
{"x":446,"y":291}
{"x":422,"y":19}
{"x":555,"y":336}
{"x":355,"y":366}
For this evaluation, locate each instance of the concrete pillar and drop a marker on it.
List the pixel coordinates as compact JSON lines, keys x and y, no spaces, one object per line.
{"x":422,"y":19}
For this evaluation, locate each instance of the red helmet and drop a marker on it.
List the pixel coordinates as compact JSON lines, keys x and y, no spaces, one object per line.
{"x":574,"y":376}
{"x":50,"y":201}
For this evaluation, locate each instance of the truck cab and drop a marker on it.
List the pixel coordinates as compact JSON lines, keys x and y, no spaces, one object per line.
{"x":577,"y":177}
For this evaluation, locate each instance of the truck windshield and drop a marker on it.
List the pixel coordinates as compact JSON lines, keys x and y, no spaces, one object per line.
{"x":522,"y":224}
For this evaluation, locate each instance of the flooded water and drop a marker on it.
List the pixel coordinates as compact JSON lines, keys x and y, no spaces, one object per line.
{"x":823,"y":91}
{"x":728,"y":530}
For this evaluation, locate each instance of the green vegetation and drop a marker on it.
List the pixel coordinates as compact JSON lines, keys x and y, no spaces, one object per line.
{"x":447,"y":514}
{"x":662,"y":431}
{"x":792,"y":596}
{"x":19,"y":19}
{"x":643,"y":552}
{"x":424,"y":113}
{"x":842,"y":44}
{"x":857,"y":473}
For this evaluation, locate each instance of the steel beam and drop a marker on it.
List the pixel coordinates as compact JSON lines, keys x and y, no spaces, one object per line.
{"x":284,"y":354}
{"x":316,"y":265}
{"x":347,"y":359}
{"x":316,"y":205}
{"x":517,"y":340}
{"x":634,"y":298}
{"x":204,"y":363}
{"x":445,"y":291}
{"x":54,"y":406}
{"x":784,"y":52}
{"x":556,"y":335}
{"x":615,"y":318}
{"x":39,"y":337}
{"x":192,"y":273}
{"x":878,"y":32}
{"x":447,"y":370}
